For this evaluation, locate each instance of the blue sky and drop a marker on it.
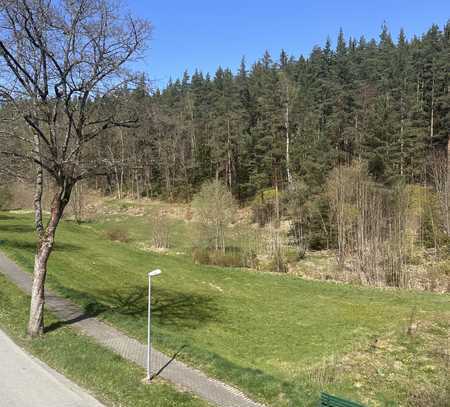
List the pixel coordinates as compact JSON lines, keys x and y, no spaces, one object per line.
{"x":205,"y":34}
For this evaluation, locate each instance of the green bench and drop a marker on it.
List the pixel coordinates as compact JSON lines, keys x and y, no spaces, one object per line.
{"x":327,"y":400}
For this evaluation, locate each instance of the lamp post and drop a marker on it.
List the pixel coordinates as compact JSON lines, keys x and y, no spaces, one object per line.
{"x":149,"y":342}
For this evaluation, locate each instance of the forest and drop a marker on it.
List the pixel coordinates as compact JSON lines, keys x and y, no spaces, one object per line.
{"x":384,"y":102}
{"x":346,"y":149}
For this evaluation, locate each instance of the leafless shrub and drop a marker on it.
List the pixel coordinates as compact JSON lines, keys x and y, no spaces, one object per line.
{"x":439,"y":171}
{"x":200,"y":255}
{"x":375,"y":228}
{"x":412,"y":323}
{"x":78,"y":202}
{"x":275,"y":248}
{"x":262,"y":211}
{"x":430,"y":396}
{"x":324,"y":373}
{"x":231,"y":258}
{"x":299,"y":210}
{"x":160,"y":231}
{"x":250,"y":244}
{"x":118,"y":235}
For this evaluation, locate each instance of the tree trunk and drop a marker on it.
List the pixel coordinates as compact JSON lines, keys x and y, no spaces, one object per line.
{"x":44,"y":249}
{"x":229,"y":163}
{"x":402,"y":142}
{"x":447,"y":187}
{"x":37,"y":201}
{"x":277,"y":201}
{"x":122,"y":165}
{"x":288,"y":143}
{"x":432,"y":114}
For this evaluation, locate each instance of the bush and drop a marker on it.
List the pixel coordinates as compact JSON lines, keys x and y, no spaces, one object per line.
{"x":293,"y":256}
{"x":249,"y":259}
{"x":278,"y":264}
{"x":200,"y":256}
{"x":160,"y":231}
{"x":263,"y":207}
{"x":229,"y":258}
{"x":118,"y":235}
{"x":262,"y":213}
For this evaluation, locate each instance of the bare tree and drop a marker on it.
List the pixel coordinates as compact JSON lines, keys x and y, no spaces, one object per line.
{"x":215,"y":208}
{"x":160,"y":230}
{"x":61,"y":62}
{"x":288,"y":95}
{"x":441,"y":183}
{"x":376,"y":228}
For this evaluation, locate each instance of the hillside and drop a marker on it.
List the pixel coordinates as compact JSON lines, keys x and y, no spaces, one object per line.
{"x":281,"y":339}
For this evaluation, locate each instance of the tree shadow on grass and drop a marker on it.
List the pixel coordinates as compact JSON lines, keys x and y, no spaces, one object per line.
{"x":88,"y":312}
{"x":174,"y":308}
{"x":31,"y":245}
{"x":7,"y":217}
{"x":169,"y":307}
{"x":16,"y":228}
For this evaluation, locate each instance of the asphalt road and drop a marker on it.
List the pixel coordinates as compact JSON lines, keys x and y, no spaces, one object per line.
{"x":27,"y":382}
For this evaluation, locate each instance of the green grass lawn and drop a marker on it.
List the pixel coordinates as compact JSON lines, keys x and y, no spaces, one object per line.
{"x":110,"y":378}
{"x":270,"y":335}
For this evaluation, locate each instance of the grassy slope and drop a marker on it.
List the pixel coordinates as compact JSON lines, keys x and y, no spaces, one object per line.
{"x":259,"y":331}
{"x":110,"y":378}
{"x":139,"y":228}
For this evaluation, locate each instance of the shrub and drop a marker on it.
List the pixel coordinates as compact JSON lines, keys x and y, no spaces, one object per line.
{"x":278,"y":264}
{"x":293,"y":256}
{"x":200,"y":256}
{"x":229,"y":258}
{"x":118,"y":235}
{"x":263,"y":207}
{"x":249,"y":259}
{"x":77,"y":203}
{"x":160,"y":231}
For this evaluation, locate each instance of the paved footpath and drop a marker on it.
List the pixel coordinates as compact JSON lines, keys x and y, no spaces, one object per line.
{"x":27,"y":382}
{"x":179,"y":374}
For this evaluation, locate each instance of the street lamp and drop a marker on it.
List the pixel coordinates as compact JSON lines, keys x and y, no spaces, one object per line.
{"x":151,"y":274}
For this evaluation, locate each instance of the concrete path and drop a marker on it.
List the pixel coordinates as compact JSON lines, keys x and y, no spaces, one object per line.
{"x":27,"y":382}
{"x":179,"y":374}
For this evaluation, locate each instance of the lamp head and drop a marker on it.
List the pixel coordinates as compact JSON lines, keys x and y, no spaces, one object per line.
{"x":154,"y":273}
